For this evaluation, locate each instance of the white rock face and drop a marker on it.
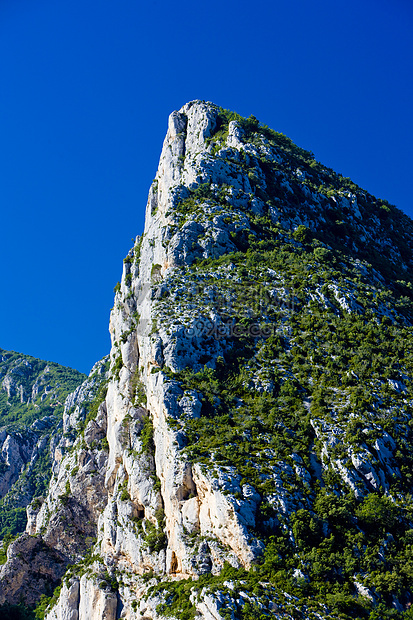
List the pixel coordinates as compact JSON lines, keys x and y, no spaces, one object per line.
{"x":15,"y":452}
{"x":184,"y":162}
{"x":67,"y":607}
{"x":84,"y":600}
{"x":154,"y":504}
{"x":94,"y":603}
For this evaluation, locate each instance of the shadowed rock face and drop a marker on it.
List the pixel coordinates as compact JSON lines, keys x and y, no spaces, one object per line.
{"x":32,"y":569}
{"x":225,"y":424}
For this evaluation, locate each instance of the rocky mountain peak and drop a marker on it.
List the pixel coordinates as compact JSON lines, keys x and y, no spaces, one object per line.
{"x":249,"y":449}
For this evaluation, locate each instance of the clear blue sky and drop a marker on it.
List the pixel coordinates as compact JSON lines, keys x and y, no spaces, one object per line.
{"x":86,"y":87}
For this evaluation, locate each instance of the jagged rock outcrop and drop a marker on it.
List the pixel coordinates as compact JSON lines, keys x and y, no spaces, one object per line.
{"x":253,"y":445}
{"x":67,"y":519}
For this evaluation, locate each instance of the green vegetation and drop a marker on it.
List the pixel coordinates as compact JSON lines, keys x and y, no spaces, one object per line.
{"x":138,"y":389}
{"x":8,"y":538}
{"x":117,"y":366}
{"x":46,"y":603}
{"x":13,"y":520}
{"x":147,"y":436}
{"x":92,"y":406}
{"x":155,"y":272}
{"x":177,"y":599}
{"x":26,"y":371}
{"x":263,"y":596}
{"x":137,"y":249}
{"x":124,"y":496}
{"x":154,"y":535}
{"x":64,"y":497}
{"x":265,"y":397}
{"x":35,"y":479}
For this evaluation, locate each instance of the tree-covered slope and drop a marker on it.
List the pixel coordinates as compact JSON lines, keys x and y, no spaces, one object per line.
{"x":310,"y":406}
{"x":32,"y":388}
{"x":32,"y":397}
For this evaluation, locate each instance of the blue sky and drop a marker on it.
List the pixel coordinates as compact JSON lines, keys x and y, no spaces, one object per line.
{"x":86,"y":87}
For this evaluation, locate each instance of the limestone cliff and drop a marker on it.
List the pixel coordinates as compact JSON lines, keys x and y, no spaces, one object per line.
{"x":256,"y":420}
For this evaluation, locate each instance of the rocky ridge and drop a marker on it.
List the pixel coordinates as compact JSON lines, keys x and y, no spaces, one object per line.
{"x":252,"y":451}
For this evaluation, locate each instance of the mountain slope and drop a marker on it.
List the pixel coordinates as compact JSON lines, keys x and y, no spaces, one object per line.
{"x":34,"y":564}
{"x":258,"y":408}
{"x":32,"y":397}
